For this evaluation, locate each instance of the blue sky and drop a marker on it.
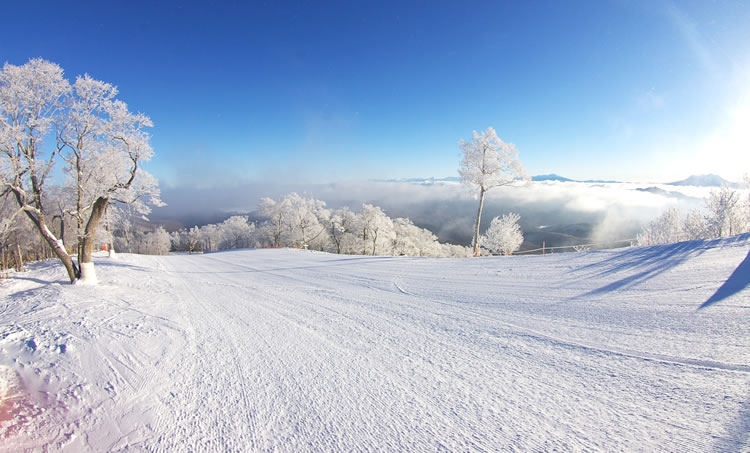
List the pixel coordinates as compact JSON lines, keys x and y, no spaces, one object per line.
{"x":330,"y":91}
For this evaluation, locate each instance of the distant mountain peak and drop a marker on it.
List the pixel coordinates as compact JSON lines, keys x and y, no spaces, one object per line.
{"x":709,"y":180}
{"x":551,"y":177}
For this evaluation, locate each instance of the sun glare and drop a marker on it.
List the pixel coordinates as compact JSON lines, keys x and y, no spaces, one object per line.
{"x":726,"y":151}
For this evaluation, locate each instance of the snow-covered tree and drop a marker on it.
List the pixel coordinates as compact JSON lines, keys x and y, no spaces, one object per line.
{"x":156,"y":242}
{"x":18,"y":240}
{"x":694,"y":226}
{"x":210,"y":237}
{"x":488,"y":162}
{"x":339,"y":224}
{"x":31,"y":97}
{"x":455,"y":251}
{"x":375,"y":227}
{"x":726,"y":214}
{"x":193,"y":240}
{"x":276,"y":225}
{"x":102,"y":143}
{"x":410,"y":240}
{"x":236,"y":233}
{"x":504,"y":235}
{"x":303,"y":217}
{"x":666,"y":229}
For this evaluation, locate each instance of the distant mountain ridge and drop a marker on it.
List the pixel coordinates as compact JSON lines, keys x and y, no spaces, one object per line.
{"x":554,"y":177}
{"x":709,"y":180}
{"x":662,"y":192}
{"x":549,"y":177}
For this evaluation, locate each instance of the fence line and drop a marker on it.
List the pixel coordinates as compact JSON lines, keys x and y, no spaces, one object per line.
{"x":544,"y":249}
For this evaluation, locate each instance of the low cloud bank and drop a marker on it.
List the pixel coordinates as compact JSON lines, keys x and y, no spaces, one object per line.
{"x":564,"y":212}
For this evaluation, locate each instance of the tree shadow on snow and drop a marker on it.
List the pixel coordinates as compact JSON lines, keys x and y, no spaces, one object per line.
{"x":114,"y":263}
{"x":37,"y":280}
{"x":739,"y":280}
{"x":651,"y":261}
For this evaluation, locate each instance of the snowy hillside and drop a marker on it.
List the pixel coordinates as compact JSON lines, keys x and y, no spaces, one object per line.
{"x":303,"y":351}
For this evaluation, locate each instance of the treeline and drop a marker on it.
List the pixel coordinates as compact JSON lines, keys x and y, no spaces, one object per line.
{"x":726,"y":213}
{"x":306,"y":223}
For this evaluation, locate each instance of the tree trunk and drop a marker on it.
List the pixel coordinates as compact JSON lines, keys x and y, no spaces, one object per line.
{"x":62,"y":229}
{"x":479,"y":218}
{"x":19,"y":258}
{"x":87,"y":244}
{"x":56,"y":245}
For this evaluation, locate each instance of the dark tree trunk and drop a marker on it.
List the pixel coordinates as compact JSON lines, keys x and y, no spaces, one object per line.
{"x":87,"y":242}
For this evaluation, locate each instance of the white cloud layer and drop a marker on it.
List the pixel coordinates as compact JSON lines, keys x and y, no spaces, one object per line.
{"x":611,"y":211}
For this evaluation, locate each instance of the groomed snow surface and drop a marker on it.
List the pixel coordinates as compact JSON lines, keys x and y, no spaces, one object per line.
{"x":291,"y":350}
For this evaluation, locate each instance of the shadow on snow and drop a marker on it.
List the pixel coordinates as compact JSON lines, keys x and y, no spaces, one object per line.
{"x":649,"y":262}
{"x":739,"y":280}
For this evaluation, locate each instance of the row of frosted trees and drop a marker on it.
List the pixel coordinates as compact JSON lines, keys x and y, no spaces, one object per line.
{"x":297,"y":221}
{"x":726,"y":212}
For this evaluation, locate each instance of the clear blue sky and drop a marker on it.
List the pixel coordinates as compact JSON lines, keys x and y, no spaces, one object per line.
{"x":317,"y":91}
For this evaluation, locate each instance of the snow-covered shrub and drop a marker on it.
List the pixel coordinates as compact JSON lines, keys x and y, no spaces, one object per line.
{"x":504,"y":235}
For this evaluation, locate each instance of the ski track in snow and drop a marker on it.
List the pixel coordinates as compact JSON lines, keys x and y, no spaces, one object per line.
{"x":259,"y":350}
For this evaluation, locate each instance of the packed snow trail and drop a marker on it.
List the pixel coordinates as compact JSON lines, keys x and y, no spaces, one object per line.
{"x":290,"y":350}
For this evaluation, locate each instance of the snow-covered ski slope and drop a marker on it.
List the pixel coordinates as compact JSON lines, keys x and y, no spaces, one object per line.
{"x":291,"y":350}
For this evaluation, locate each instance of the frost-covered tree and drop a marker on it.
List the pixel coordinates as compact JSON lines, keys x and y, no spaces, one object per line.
{"x":666,"y":229}
{"x":295,"y":221}
{"x":488,"y":162}
{"x":375,"y":227}
{"x":504,"y":235}
{"x":455,"y":251}
{"x":236,"y":233}
{"x":193,"y":240}
{"x":18,"y":239}
{"x":410,"y":240}
{"x":156,"y":242}
{"x":276,"y":225}
{"x":726,"y":214}
{"x":31,"y":97}
{"x":102,"y":143}
{"x":304,"y":220}
{"x":694,"y":226}
{"x":340,"y":223}
{"x":210,"y":237}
